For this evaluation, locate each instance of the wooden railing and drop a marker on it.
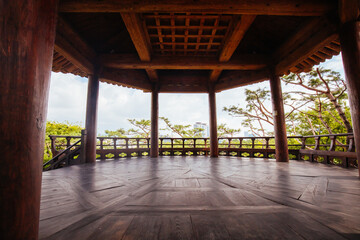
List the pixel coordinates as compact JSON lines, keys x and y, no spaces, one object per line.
{"x":337,"y":149}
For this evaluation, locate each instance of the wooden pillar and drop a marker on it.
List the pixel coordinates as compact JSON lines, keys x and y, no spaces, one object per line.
{"x":281,"y":145}
{"x":91,"y":117}
{"x":27,"y":30}
{"x":214,"y":148}
{"x":154,"y":147}
{"x":350,"y":49}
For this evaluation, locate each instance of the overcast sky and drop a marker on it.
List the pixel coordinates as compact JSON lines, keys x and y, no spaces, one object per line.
{"x":67,"y":102}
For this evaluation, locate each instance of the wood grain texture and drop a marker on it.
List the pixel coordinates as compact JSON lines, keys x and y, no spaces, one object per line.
{"x":27,"y":33}
{"x":350,"y":48}
{"x":200,"y":198}
{"x":154,"y":147}
{"x":281,"y":143}
{"x":214,"y":144}
{"x":91,"y":117}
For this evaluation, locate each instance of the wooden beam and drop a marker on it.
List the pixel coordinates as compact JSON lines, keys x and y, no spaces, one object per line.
{"x":233,"y":79}
{"x":232,"y":41}
{"x":141,"y":40}
{"x":281,"y":145}
{"x":234,"y":38}
{"x":70,"y":44}
{"x":71,"y":53}
{"x":131,"y":61}
{"x":27,"y":33}
{"x":259,"y":7}
{"x":127,"y":78}
{"x":303,"y":44}
{"x":183,"y":82}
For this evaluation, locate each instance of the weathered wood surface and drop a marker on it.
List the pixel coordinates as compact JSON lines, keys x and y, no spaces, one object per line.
{"x":200,"y":198}
{"x":281,"y":143}
{"x":27,"y":30}
{"x":91,"y":117}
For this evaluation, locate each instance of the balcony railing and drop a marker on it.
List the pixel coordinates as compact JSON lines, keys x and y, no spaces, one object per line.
{"x":336,"y":149}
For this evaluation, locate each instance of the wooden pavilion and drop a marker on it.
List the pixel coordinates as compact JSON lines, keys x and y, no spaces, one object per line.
{"x":158,"y":46}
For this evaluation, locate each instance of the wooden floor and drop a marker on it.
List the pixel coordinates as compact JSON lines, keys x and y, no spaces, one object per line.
{"x":200,"y":198}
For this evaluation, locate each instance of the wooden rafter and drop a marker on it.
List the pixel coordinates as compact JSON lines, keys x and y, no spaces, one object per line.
{"x":305,"y":43}
{"x":129,"y":78}
{"x":131,"y":61}
{"x":232,"y":41}
{"x":70,"y":45}
{"x":260,"y":7}
{"x":138,"y":35}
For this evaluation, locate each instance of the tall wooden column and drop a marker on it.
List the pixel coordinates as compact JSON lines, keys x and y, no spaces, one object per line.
{"x":281,"y":144}
{"x":154,"y":147}
{"x":91,"y":117}
{"x":350,"y":49}
{"x":214,"y":148}
{"x":27,"y":30}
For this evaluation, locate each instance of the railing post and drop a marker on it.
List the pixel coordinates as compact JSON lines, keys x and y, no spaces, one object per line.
{"x":303,"y":143}
{"x":317,"y":143}
{"x":83,"y":146}
{"x":68,"y":142}
{"x":115,"y":150}
{"x":267,"y":147}
{"x":53,"y":146}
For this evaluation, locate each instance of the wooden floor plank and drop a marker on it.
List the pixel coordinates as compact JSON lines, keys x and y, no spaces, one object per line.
{"x":200,"y":198}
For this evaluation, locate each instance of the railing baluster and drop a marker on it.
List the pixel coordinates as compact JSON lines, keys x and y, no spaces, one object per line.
{"x":332,"y":151}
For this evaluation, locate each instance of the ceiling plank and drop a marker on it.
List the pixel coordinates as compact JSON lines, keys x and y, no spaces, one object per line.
{"x":259,"y":7}
{"x":306,"y":45}
{"x":233,"y":79}
{"x":232,"y":41}
{"x":141,"y":42}
{"x":128,"y":78}
{"x":131,"y":61}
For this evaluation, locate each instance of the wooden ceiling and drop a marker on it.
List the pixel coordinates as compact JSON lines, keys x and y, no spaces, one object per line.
{"x":185,"y":45}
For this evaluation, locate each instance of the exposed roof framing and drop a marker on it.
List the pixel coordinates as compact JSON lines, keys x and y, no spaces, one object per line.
{"x":184,"y":45}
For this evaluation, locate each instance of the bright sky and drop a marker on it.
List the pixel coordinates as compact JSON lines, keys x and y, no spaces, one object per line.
{"x":67,"y":102}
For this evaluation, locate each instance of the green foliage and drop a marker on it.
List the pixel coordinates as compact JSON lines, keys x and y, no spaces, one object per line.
{"x":142,"y":128}
{"x":256,"y":113}
{"x":224,"y":131}
{"x":117,"y":133}
{"x":184,"y":131}
{"x":56,"y":128}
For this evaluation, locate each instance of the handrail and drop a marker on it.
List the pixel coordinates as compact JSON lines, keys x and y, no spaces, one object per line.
{"x":312,"y":147}
{"x":59,"y":154}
